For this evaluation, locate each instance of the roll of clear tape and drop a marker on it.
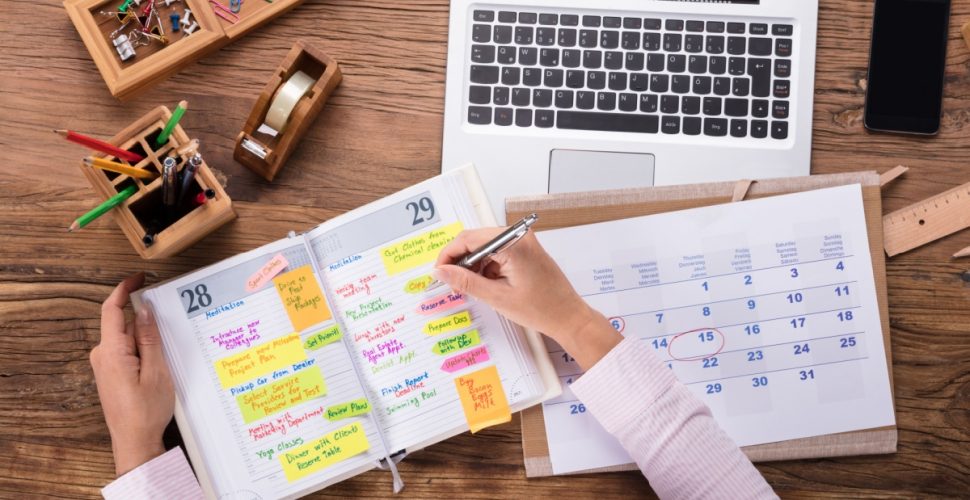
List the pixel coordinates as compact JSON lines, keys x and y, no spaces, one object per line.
{"x":286,"y":98}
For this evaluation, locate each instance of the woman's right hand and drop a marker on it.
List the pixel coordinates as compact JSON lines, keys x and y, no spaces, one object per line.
{"x":525,"y":285}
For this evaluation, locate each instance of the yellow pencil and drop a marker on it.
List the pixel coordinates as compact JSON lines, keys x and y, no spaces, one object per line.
{"x":119,"y":168}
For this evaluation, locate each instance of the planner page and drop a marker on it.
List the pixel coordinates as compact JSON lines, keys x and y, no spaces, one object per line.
{"x":765,"y":309}
{"x":267,"y":389}
{"x":434,"y":362}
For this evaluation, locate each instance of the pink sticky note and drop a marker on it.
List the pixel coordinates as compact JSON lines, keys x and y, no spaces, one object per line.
{"x":465,"y":359}
{"x":269,"y":271}
{"x":441,"y":303}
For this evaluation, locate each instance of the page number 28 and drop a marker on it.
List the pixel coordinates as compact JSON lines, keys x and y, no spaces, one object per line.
{"x":201,"y":293}
{"x":422,"y":210}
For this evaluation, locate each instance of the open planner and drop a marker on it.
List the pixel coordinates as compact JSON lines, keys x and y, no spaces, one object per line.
{"x":765,"y":309}
{"x":320,"y":356}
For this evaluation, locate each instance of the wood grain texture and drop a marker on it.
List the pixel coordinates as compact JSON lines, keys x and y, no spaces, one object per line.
{"x":380,"y":132}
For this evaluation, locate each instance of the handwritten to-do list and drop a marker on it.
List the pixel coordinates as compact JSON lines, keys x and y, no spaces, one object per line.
{"x":765,"y":309}
{"x":483,"y":399}
{"x":302,"y":297}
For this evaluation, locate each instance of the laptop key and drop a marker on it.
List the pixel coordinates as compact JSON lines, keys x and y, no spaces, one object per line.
{"x":612,"y":122}
{"x":779,"y":130}
{"x":609,"y":39}
{"x":548,"y":19}
{"x":702,"y":85}
{"x":585,"y":99}
{"x":527,"y":17}
{"x":572,"y":58}
{"x":715,"y":127}
{"x":722,"y":85}
{"x":782,"y":89}
{"x":552,"y":78}
{"x":500,"y":96}
{"x":617,"y":81}
{"x":549,"y":57}
{"x":481,"y":33}
{"x":782,"y":29}
{"x":634,"y":61}
{"x":676,"y":63}
{"x":759,"y":108}
{"x":484,"y":74}
{"x":567,"y":37}
{"x":587,"y":39}
{"x":523,"y":117}
{"x":714,"y":44}
{"x":760,"y":72}
{"x":670,"y":124}
{"x":484,"y":16}
{"x":779,"y":110}
{"x":575,"y":79}
{"x":639,"y":82}
{"x":528,"y":56}
{"x":511,"y":76}
{"x":783,"y":47}
{"x":483,"y":54}
{"x":672,"y":42}
{"x":736,"y":107}
{"x":690,"y":105}
{"x":503,"y":34}
{"x":532,"y":77}
{"x":569,"y":20}
{"x":592,"y":59}
{"x":632,"y":23}
{"x":542,"y":98}
{"x":736,"y":66}
{"x":697,"y":64}
{"x":648,"y":103}
{"x":596,"y":80}
{"x":651,"y":23}
{"x":564,"y":99}
{"x":758,"y":46}
{"x":718,"y":65}
{"x":659,"y":83}
{"x":478,"y":94}
{"x":758,"y":29}
{"x":741,"y":87}
{"x":507,"y":17}
{"x":627,"y":102}
{"x":715,"y":26}
{"x":736,"y":45}
{"x":479,"y":115}
{"x":504,"y":116}
{"x":613,"y":60}
{"x":655,"y":62}
{"x":520,"y":97}
{"x":630,"y":40}
{"x":782,"y":68}
{"x":691,"y":125}
{"x":506,"y":54}
{"x":591,"y":21}
{"x":612,"y":22}
{"x":669,"y":104}
{"x":712,"y":106}
{"x":674,"y":25}
{"x":545,"y":36}
{"x":695,"y":26}
{"x":605,"y":101}
{"x":739,"y":128}
{"x":759,"y":129}
{"x":680,"y":84}
{"x":651,"y":42}
{"x":694,"y":43}
{"x":524,"y":35}
{"x":545,"y":118}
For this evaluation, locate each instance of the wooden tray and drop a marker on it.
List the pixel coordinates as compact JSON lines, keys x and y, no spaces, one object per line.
{"x":139,"y":215}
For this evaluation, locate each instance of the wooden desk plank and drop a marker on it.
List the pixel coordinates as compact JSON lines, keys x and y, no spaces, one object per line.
{"x":52,"y":435}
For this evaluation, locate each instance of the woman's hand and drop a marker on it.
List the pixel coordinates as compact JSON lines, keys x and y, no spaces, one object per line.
{"x":526,"y":286}
{"x":134,"y":384}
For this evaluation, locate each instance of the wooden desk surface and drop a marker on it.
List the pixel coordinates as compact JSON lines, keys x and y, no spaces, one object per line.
{"x":381,"y":132}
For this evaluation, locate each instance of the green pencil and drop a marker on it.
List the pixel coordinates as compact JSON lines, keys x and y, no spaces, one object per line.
{"x":172,"y":122}
{"x":100,"y":210}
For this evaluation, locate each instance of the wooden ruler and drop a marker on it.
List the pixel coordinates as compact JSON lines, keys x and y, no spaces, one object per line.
{"x":926,"y":221}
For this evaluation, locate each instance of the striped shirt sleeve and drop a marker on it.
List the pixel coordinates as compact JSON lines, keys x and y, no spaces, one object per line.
{"x":667,"y":430}
{"x":165,"y":476}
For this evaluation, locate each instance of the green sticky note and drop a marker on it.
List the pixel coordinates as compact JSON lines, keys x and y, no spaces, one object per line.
{"x":347,"y":410}
{"x":456,"y":343}
{"x":322,"y":338}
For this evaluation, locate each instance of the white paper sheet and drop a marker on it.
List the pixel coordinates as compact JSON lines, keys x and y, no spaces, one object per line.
{"x":766,"y":309}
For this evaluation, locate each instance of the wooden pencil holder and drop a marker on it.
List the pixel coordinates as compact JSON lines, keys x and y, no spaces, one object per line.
{"x":265,"y":153}
{"x":97,"y":22}
{"x":142,"y":214}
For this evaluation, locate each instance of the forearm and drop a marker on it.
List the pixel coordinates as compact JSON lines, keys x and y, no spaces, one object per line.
{"x":590,"y":337}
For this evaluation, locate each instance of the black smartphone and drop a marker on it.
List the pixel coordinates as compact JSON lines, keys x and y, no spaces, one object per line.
{"x":907,"y":59}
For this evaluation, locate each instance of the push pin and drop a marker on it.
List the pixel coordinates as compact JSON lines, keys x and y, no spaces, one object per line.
{"x":186,"y":19}
{"x":123,"y":46}
{"x":170,"y":2}
{"x":175,"y":22}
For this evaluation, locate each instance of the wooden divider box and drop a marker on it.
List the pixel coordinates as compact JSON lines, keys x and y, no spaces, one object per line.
{"x":95,"y":21}
{"x":142,"y":214}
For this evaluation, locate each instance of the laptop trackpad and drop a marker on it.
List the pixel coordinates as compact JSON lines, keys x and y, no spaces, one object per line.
{"x":571,"y":170}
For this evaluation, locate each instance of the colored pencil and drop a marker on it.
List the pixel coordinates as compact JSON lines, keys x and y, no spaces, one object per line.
{"x":962,"y":253}
{"x":100,"y":210}
{"x":120,"y":168}
{"x":172,"y":122}
{"x":99,"y":145}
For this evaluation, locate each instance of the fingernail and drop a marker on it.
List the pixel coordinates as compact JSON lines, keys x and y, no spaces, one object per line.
{"x":144,"y":316}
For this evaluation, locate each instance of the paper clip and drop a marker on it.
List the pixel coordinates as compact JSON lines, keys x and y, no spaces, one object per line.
{"x":235,"y":6}
{"x":223,"y":11}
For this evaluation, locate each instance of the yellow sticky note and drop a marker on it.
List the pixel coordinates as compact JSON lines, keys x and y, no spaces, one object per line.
{"x":260,"y":360}
{"x":302,"y":297}
{"x":483,"y":399}
{"x":456,"y":321}
{"x":456,"y":343}
{"x":419,"y":250}
{"x":347,"y":410}
{"x":333,"y":447}
{"x":281,"y":394}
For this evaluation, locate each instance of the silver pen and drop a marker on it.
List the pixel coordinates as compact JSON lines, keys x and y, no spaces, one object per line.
{"x":504,"y":240}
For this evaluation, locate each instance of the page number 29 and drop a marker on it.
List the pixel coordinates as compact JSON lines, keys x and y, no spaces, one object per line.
{"x":422,"y":210}
{"x":201,"y":293}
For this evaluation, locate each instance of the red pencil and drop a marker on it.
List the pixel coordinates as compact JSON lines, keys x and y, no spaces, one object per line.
{"x":102,"y":146}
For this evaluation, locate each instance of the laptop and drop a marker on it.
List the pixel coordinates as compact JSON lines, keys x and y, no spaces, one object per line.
{"x":548,"y":96}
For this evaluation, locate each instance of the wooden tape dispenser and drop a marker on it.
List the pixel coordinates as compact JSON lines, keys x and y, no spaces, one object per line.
{"x":285,"y":109}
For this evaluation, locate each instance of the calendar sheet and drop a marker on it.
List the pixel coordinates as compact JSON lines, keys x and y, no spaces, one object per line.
{"x":765,"y":309}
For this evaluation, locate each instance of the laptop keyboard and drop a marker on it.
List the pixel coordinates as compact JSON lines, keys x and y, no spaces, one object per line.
{"x":652,"y":75}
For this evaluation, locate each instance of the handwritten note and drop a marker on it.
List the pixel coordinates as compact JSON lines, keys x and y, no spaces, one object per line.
{"x":347,"y":410}
{"x":321,"y":453}
{"x":456,"y":343}
{"x":260,"y":360}
{"x":465,"y":359}
{"x":275,"y":266}
{"x":417,"y":285}
{"x":302,"y":297}
{"x":456,"y":321}
{"x":322,"y":338}
{"x":285,"y":393}
{"x":483,"y":399}
{"x":441,"y":303}
{"x":422,"y":249}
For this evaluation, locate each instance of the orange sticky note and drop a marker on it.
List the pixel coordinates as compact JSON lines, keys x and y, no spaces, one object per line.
{"x":302,"y":297}
{"x":483,"y":399}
